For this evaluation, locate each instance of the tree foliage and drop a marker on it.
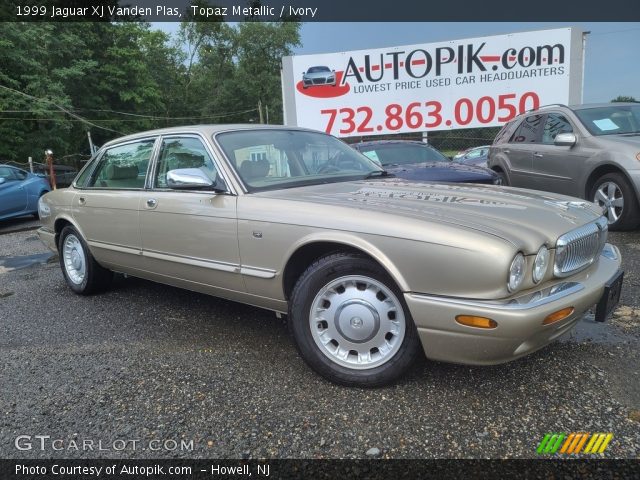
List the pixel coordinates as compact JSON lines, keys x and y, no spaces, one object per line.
{"x":623,"y":98}
{"x":60,"y":80}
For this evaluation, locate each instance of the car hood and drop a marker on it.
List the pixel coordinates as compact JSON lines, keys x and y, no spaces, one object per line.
{"x":620,"y":141}
{"x":441,"y":172}
{"x":525,"y":218}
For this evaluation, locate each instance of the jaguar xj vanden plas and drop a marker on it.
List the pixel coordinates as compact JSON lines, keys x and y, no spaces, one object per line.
{"x":368,"y":269}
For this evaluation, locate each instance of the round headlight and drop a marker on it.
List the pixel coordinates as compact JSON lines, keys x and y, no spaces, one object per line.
{"x":540,"y":264}
{"x":516,"y":272}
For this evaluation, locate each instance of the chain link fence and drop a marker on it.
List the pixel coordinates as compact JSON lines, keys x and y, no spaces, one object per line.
{"x":448,"y":142}
{"x":65,"y":169}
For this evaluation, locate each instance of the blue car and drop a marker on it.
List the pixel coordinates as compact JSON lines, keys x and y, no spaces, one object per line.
{"x":418,"y":161}
{"x":19,"y":192}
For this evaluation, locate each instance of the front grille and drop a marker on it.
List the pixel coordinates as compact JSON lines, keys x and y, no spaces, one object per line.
{"x":579,"y":248}
{"x":319,"y":81}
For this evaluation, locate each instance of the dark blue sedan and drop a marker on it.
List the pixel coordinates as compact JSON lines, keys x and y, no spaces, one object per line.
{"x":19,"y":192}
{"x":412,"y":160}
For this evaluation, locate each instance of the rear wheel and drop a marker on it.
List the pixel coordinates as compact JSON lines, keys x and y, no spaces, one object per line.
{"x":350,"y":322}
{"x":614,"y":193}
{"x":502,"y":178}
{"x":82,"y":273}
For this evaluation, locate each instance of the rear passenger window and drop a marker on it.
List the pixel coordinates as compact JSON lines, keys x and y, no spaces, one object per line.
{"x":124,"y":166}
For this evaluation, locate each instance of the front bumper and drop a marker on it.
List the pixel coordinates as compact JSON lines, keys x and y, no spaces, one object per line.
{"x":520,"y":330}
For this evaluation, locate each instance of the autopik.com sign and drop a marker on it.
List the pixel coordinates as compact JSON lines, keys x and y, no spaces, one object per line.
{"x":479,"y":82}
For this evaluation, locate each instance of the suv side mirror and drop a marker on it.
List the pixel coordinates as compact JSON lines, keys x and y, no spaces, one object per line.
{"x":565,"y":140}
{"x":2,"y":180}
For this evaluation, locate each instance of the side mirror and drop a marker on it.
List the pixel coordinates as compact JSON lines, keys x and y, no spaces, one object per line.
{"x":2,"y":180}
{"x":192,"y":179}
{"x":565,"y":140}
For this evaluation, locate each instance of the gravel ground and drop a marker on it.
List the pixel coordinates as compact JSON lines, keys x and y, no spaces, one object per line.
{"x":148,"y":362}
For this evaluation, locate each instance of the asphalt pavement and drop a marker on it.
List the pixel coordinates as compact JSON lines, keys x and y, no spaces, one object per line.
{"x":149,"y":371}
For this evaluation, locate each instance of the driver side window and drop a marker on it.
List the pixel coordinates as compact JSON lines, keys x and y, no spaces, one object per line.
{"x":183,"y":152}
{"x":554,"y":125}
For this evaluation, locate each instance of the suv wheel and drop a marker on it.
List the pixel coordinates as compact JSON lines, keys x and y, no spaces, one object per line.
{"x":613,"y":192}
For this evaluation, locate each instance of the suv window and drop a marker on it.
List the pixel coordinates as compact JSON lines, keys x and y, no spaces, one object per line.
{"x":529,"y":130}
{"x":555,"y":124}
{"x":504,"y":134}
{"x":123,"y":166}
{"x":183,"y":152}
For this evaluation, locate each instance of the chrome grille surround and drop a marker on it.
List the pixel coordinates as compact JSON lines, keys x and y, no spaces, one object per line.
{"x":579,"y":248}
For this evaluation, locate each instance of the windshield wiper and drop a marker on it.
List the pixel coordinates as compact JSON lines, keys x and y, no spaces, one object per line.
{"x":378,"y":173}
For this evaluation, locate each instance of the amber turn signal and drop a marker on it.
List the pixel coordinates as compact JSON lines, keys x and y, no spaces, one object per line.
{"x":559,"y":315}
{"x":478,"y":322}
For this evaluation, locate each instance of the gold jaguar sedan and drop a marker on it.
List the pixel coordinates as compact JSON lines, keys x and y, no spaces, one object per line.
{"x":368,"y":268}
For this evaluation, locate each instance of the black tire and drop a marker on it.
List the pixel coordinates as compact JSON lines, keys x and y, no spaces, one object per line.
{"x":95,"y":279}
{"x":504,"y":179}
{"x":320,"y":274}
{"x":629,"y":215}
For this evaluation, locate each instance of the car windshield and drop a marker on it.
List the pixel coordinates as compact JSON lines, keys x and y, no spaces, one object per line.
{"x":611,"y":120}
{"x":318,"y":70}
{"x":270,"y":159}
{"x":402,"y":154}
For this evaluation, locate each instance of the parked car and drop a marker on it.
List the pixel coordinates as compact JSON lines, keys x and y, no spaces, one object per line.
{"x":19,"y":192}
{"x":316,"y":76}
{"x":588,"y":151}
{"x":473,"y":156}
{"x":367,"y":267}
{"x":413,"y":160}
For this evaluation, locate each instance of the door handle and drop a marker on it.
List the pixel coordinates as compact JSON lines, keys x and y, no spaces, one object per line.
{"x":539,"y":155}
{"x":82,"y":200}
{"x":506,"y":150}
{"x":152,"y":202}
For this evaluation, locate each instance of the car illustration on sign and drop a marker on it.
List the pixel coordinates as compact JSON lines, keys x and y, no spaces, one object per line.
{"x":320,"y":75}
{"x":368,"y":269}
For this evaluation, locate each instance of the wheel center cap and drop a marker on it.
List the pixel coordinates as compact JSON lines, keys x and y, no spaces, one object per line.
{"x":357,"y":320}
{"x":75,"y":259}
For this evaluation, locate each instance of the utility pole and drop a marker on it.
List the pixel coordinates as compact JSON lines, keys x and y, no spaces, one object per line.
{"x":52,"y":173}
{"x":91,"y":147}
{"x":260,"y":111}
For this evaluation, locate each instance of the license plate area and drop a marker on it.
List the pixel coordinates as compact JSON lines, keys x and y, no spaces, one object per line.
{"x":610,"y":297}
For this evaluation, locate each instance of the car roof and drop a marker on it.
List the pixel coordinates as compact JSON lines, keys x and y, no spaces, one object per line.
{"x":206,"y":130}
{"x":583,"y":106}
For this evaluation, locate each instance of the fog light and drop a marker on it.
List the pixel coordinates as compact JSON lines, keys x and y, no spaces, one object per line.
{"x":559,"y":315}
{"x":478,"y":322}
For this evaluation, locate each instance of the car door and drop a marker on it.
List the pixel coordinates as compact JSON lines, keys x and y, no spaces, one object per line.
{"x":189,"y":237}
{"x":519,"y":150}
{"x":555,"y":168}
{"x":13,"y":195}
{"x":106,"y":206}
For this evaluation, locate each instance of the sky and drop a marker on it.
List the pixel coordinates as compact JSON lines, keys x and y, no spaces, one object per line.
{"x":612,"y":61}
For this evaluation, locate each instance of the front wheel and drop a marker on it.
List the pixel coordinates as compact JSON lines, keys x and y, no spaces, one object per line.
{"x":617,"y":198}
{"x":350,"y":322}
{"x":82,"y":273}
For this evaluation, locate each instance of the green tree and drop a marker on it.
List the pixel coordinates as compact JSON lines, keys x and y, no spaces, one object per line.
{"x":623,"y":98}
